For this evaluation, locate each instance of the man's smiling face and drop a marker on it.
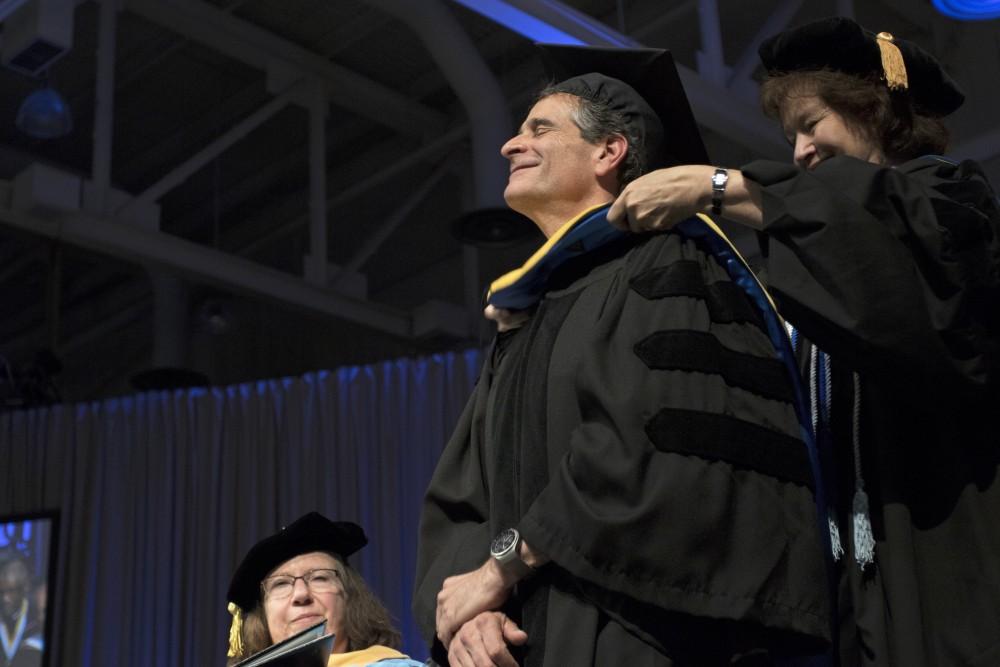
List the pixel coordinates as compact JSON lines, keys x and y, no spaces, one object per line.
{"x":550,"y":162}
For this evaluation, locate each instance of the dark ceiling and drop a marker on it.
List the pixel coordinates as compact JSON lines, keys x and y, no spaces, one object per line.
{"x":196,"y":259}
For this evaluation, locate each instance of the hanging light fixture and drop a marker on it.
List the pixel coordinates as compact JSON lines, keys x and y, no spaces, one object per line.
{"x":44,"y":114}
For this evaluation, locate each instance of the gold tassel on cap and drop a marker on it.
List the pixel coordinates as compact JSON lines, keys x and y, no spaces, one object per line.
{"x":893,"y":67}
{"x":235,"y":632}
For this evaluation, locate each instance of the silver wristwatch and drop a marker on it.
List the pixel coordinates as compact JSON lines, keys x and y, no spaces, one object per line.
{"x":719,"y":180}
{"x":505,"y":550}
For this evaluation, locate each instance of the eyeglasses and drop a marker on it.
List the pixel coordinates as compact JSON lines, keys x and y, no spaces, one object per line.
{"x":282,"y":585}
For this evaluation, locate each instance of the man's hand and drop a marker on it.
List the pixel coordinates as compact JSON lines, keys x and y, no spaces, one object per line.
{"x":662,"y":198}
{"x":464,"y":596}
{"x":506,"y":319}
{"x":483,"y":641}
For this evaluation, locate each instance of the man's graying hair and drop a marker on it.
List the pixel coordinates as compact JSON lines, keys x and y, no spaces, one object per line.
{"x":597,"y":120}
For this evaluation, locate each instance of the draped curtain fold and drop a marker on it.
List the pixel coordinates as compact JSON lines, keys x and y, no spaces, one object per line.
{"x":161,"y":494}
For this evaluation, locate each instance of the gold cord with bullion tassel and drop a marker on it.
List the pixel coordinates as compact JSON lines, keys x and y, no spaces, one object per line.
{"x":235,"y":632}
{"x":893,"y":67}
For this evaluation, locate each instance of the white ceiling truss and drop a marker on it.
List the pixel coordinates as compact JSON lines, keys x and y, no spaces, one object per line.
{"x":391,"y":110}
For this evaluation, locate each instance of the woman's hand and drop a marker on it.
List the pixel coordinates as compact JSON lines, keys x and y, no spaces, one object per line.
{"x":662,"y":198}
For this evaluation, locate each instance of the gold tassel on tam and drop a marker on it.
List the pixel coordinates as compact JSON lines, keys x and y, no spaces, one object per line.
{"x":235,"y":632}
{"x":893,"y":67}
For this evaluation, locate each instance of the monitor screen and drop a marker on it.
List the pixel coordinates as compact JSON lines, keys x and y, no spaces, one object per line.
{"x":27,"y":564}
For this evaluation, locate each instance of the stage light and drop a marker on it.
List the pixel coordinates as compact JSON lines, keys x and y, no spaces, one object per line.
{"x":969,"y":10}
{"x":520,"y":21}
{"x":44,"y":114}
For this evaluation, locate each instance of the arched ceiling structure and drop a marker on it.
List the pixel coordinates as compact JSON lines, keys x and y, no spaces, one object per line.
{"x":256,"y":188}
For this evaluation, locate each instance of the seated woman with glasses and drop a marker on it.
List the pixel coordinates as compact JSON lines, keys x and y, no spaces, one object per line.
{"x":298,"y":577}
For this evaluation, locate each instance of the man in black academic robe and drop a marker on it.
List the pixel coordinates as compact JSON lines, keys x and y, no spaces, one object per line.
{"x":639,"y":432}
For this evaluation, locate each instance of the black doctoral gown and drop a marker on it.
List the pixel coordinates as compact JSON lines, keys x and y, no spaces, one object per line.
{"x":638,"y":430}
{"x":896,"y":274}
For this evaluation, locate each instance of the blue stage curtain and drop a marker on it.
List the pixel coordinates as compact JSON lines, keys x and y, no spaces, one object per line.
{"x":162,"y":493}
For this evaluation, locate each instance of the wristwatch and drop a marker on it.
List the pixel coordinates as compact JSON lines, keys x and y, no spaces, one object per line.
{"x":719,"y":180}
{"x":505,"y":550}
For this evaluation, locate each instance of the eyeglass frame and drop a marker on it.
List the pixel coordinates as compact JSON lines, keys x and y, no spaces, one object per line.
{"x":306,"y":579}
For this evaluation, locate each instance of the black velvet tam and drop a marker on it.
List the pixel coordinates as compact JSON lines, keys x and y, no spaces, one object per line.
{"x":841,"y":44}
{"x":312,"y":532}
{"x":644,"y":86}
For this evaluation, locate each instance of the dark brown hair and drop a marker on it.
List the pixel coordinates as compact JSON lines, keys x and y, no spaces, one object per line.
{"x":888,"y":120}
{"x":596,"y":121}
{"x":366,"y":620}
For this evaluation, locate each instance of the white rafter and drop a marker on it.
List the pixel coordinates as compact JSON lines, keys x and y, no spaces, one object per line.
{"x":206,"y":265}
{"x":183,"y":171}
{"x":243,"y":41}
{"x":711,"y":57}
{"x":775,"y":23}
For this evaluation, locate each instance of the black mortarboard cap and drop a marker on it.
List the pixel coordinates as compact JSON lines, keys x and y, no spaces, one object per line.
{"x":312,"y":532}
{"x":643,"y":85}
{"x":841,"y":44}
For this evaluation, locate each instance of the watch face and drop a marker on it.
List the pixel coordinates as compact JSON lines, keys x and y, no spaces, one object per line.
{"x":718,"y":180}
{"x":504,"y":540}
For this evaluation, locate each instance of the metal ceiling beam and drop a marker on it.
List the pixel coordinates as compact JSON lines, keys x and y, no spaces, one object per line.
{"x":102,"y":329}
{"x":711,"y":57}
{"x":8,"y":7}
{"x":239,"y":39}
{"x":27,"y":324}
{"x":474,"y":84}
{"x":398,"y":217}
{"x":84,"y":329}
{"x":718,"y":109}
{"x":340,"y":198}
{"x":208,"y":266}
{"x":196,"y":132}
{"x":484,"y":101}
{"x":171,"y":321}
{"x":335,"y":40}
{"x":104,"y":102}
{"x":775,"y":23}
{"x":715,"y":107}
{"x":319,"y":248}
{"x":183,"y":171}
{"x":664,"y":18}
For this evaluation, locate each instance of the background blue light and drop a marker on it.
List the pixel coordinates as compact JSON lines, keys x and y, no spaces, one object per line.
{"x":520,"y":22}
{"x":969,"y":10}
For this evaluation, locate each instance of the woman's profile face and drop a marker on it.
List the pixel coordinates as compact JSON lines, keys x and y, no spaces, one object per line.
{"x":817,"y":132}
{"x":291,"y":610}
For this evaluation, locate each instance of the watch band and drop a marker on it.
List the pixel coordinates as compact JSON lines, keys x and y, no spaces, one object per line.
{"x":719,"y":180}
